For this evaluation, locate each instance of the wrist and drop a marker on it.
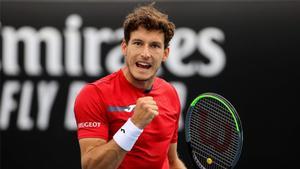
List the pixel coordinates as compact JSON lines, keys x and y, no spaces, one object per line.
{"x":138,"y":125}
{"x":127,"y":135}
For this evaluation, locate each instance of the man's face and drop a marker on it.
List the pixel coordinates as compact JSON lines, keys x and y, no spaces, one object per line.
{"x":144,"y":53}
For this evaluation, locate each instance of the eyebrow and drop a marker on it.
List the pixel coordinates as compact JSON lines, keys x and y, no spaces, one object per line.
{"x":136,"y":40}
{"x":152,"y":42}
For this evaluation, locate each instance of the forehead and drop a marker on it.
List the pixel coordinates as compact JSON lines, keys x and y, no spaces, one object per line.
{"x":147,"y":35}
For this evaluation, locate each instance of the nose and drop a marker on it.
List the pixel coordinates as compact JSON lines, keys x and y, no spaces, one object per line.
{"x":146,"y":52}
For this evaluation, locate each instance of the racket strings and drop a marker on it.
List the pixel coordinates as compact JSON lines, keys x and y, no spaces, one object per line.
{"x":216,"y":107}
{"x":214,"y":122}
{"x":207,"y":149}
{"x":230,"y":152}
{"x":212,"y":129}
{"x":217,"y":111}
{"x":202,"y":161}
{"x":218,"y":115}
{"x":205,"y":154}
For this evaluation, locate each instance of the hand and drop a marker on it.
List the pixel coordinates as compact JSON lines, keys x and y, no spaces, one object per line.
{"x":144,"y":112}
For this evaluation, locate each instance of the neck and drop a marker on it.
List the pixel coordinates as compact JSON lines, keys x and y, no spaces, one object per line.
{"x":141,"y":84}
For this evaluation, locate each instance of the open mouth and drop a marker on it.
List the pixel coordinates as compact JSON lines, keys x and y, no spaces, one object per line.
{"x":143,"y":65}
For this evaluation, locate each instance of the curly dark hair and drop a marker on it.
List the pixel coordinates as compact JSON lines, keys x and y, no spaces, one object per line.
{"x":151,"y":19}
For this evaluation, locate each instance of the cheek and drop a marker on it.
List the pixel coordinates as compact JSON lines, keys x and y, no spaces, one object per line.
{"x":130,"y":59}
{"x":158,"y":63}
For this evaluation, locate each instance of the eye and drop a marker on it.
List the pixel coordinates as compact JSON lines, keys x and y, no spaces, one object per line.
{"x":137,"y":43}
{"x":155,"y":46}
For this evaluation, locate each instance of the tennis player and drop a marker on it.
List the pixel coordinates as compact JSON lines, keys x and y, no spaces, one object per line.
{"x":129,"y":119}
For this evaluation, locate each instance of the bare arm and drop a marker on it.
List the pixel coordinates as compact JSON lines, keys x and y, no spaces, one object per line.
{"x":174,"y":161}
{"x":97,"y":153}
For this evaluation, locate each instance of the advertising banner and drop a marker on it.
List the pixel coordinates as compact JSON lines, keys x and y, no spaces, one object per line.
{"x":246,"y":51}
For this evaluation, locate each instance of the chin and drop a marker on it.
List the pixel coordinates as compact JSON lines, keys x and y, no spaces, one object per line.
{"x":143,"y":77}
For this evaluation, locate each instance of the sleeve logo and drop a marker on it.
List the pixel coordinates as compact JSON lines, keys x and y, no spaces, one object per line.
{"x":89,"y":125}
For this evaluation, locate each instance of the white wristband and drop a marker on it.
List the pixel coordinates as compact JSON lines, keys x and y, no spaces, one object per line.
{"x":127,"y":135}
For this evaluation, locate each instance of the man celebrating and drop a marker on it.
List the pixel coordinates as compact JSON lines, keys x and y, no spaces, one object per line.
{"x":129,"y":119}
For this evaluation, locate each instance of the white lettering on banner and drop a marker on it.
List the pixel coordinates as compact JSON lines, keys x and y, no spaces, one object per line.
{"x":75,"y":51}
{"x":24,"y":120}
{"x":182,"y":94}
{"x":47,"y":92}
{"x":212,"y":51}
{"x":184,"y":44}
{"x":32,"y":59}
{"x":94,"y":39}
{"x":114,"y":60}
{"x":74,"y":88}
{"x":89,"y":125}
{"x":73,"y":45}
{"x":53,"y":42}
{"x":8,"y":103}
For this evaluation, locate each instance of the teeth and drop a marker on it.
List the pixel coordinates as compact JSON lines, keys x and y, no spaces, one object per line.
{"x":143,"y":65}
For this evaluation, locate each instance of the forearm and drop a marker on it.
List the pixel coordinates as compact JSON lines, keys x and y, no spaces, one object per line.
{"x":108,"y":155}
{"x":177,"y":164}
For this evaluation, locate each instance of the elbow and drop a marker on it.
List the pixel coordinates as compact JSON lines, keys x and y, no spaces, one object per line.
{"x":87,"y":162}
{"x":90,"y":162}
{"x":84,"y":163}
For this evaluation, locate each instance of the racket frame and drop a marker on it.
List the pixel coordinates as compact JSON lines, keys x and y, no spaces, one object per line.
{"x":234,"y":114}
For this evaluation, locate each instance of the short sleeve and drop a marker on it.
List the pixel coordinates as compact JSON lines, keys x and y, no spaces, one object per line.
{"x":90,"y":113}
{"x":178,"y":110}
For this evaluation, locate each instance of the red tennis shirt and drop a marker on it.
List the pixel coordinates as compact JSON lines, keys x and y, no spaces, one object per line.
{"x":102,"y":107}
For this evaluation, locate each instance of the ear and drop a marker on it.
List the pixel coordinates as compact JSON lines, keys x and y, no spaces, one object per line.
{"x":124,"y":47}
{"x":166,"y":54}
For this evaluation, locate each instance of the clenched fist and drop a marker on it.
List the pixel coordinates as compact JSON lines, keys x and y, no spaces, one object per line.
{"x":144,"y":112}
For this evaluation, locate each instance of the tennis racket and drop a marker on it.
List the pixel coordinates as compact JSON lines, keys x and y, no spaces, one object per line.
{"x":213,"y":132}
